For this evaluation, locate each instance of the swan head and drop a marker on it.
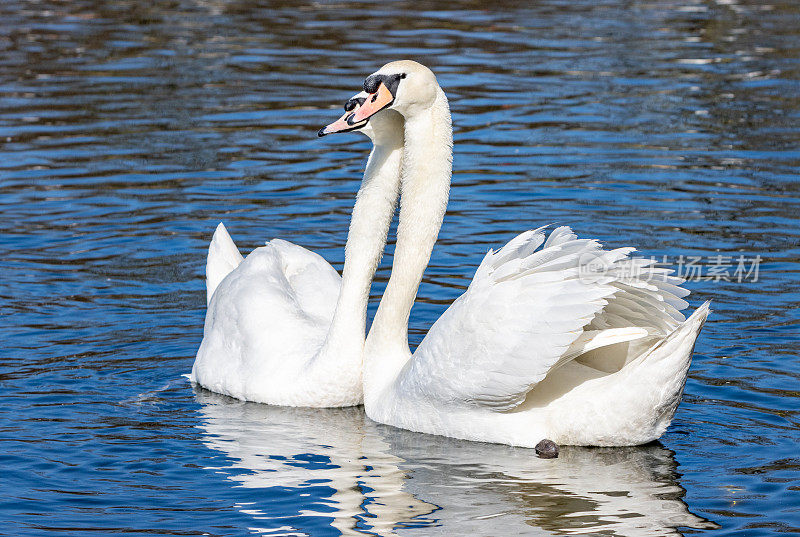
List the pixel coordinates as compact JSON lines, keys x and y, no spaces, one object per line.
{"x":405,"y":86}
{"x":384,"y":128}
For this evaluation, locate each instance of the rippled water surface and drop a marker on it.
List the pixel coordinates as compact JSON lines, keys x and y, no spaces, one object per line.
{"x":129,"y":129}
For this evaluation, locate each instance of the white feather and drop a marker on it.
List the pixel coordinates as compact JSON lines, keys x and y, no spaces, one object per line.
{"x":223,"y":257}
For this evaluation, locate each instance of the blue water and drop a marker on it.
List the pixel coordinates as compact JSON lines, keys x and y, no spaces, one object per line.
{"x":128,"y":130}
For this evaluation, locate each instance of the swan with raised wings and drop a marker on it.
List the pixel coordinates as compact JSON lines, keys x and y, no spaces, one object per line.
{"x":556,"y":337}
{"x":282,"y":327}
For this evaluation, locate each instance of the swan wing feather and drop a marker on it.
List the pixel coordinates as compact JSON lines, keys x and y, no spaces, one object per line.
{"x":522,"y":312}
{"x":533,"y":306}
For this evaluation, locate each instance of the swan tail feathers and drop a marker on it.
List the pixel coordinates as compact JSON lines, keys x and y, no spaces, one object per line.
{"x":666,"y":366}
{"x":678,"y":346}
{"x":223,"y":258}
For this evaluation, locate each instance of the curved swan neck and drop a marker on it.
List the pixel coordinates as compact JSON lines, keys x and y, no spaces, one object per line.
{"x":369,"y":226}
{"x":425,"y":186}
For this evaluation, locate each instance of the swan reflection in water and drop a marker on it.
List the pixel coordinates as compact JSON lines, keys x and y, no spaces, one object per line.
{"x":389,"y":481}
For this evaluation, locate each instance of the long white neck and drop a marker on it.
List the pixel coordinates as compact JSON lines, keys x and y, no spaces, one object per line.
{"x":369,"y":226}
{"x":426,"y":170}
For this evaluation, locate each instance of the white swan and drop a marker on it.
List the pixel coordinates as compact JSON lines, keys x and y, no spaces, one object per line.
{"x":541,"y":345}
{"x":282,"y":327}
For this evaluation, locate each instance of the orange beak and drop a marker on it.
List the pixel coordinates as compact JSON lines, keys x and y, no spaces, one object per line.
{"x":342,"y":125}
{"x":375,"y":103}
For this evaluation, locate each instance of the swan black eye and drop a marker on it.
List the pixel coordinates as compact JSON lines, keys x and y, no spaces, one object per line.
{"x":393,"y":81}
{"x":372,"y":82}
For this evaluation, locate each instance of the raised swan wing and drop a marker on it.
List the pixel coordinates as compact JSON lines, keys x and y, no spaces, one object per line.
{"x":532,"y":306}
{"x":268,"y":315}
